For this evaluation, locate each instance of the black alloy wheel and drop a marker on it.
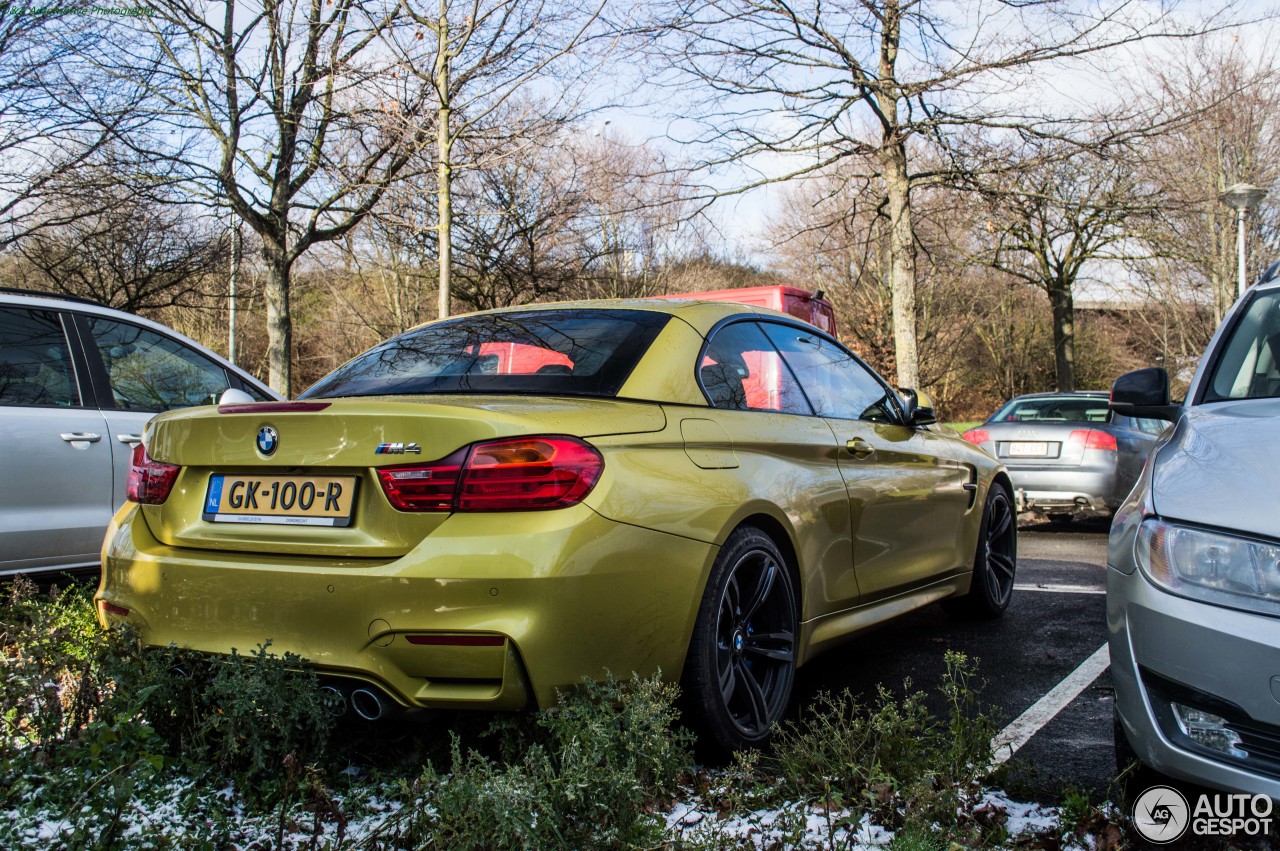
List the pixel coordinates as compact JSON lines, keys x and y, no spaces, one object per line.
{"x":742,"y":658}
{"x":995,"y":563}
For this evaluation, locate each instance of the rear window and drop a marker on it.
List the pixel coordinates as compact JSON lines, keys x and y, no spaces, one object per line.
{"x":539,"y":352}
{"x":1057,"y":410}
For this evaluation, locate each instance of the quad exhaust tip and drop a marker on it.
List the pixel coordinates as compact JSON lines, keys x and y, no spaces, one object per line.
{"x":367,"y":704}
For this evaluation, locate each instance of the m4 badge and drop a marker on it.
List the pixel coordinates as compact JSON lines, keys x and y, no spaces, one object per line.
{"x":398,"y":449}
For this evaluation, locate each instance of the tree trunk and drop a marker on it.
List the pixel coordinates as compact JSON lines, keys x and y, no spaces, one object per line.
{"x":279,"y":322}
{"x":444,"y":168}
{"x":1064,"y":335}
{"x":902,"y":248}
{"x":902,"y":267}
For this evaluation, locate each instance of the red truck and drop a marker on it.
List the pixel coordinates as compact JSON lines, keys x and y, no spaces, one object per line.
{"x":811,"y":307}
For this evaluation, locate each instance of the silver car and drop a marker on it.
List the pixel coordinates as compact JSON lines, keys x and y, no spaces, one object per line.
{"x":1069,"y":455}
{"x":1193,"y":589}
{"x":77,"y":383}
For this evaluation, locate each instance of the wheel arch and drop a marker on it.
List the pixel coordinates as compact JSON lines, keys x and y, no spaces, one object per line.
{"x":1002,"y":478}
{"x":781,"y":538}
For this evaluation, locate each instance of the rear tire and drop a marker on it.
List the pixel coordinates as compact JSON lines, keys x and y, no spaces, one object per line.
{"x":742,"y":656}
{"x":995,"y":564}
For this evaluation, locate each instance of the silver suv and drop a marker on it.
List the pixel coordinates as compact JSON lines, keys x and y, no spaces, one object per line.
{"x":77,"y":383}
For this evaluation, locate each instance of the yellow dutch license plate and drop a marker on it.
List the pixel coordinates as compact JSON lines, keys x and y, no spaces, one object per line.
{"x":280,"y":500}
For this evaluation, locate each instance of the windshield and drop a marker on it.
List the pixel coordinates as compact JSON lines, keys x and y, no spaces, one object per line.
{"x":1060,"y":409}
{"x":539,"y":352}
{"x":1249,"y":366}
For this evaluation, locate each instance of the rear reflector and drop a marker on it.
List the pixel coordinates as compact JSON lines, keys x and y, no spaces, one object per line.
{"x":522,"y":474}
{"x":1093,"y":439}
{"x":457,"y":640}
{"x":977,"y":436}
{"x":113,"y":609}
{"x":149,"y":480}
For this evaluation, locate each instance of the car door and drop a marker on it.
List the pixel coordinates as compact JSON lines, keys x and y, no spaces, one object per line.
{"x":907,"y":496}
{"x":55,"y":461}
{"x":145,"y":373}
{"x":764,"y":430}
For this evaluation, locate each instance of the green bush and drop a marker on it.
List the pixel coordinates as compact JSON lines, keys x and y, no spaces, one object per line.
{"x":238,"y":715}
{"x":589,"y":776}
{"x":893,"y":759}
{"x":53,"y":679}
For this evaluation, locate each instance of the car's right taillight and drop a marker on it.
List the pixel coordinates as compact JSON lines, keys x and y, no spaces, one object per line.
{"x":1093,"y":439}
{"x":150,"y":480}
{"x":977,"y":436}
{"x":520,"y":474}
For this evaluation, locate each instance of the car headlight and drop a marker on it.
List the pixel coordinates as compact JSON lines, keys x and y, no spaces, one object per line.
{"x":1210,"y":566}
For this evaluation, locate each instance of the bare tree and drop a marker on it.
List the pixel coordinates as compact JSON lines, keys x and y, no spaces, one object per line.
{"x":832,"y":234}
{"x":132,"y":252}
{"x":293,"y":114}
{"x":819,"y":82}
{"x":56,"y":113}
{"x":1049,"y":222}
{"x":515,"y":234}
{"x":480,"y":62}
{"x":1232,"y":135}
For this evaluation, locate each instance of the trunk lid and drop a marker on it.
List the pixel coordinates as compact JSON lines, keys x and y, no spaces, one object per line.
{"x":342,"y":441}
{"x":1038,"y":444}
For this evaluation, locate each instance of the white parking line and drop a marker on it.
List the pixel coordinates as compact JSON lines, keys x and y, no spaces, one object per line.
{"x":1009,"y":740}
{"x":1062,"y":589}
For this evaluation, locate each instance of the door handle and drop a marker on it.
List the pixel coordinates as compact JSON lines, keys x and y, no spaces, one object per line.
{"x":131,"y":439}
{"x":859,"y":448}
{"x":86,"y":436}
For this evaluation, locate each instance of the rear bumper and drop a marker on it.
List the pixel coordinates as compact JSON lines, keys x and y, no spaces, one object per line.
{"x":1087,"y":492}
{"x":557,"y":596}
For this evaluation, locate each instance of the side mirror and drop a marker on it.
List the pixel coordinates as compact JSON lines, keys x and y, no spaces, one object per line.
{"x":918,"y":407}
{"x":1144,"y":393}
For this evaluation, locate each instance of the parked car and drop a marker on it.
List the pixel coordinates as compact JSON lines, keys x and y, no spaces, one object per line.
{"x":1193,"y":589}
{"x":486,"y":509}
{"x":77,"y":383}
{"x":1069,"y":455}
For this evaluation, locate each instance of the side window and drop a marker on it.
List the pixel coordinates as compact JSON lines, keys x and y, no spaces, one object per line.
{"x":742,"y":370}
{"x":35,"y":360}
{"x":837,"y":384}
{"x":150,"y":372}
{"x":1155,"y":427}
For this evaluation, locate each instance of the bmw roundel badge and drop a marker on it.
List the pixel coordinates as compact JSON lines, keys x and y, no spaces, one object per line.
{"x":268,"y":440}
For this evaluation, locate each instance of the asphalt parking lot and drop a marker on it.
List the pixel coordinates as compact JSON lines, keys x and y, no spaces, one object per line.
{"x":1054,"y":625}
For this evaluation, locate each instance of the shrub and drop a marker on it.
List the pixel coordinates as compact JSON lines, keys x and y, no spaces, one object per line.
{"x":893,"y":759}
{"x":53,"y":679}
{"x":589,"y":776}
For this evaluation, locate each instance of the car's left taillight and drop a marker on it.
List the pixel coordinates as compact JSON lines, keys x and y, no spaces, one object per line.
{"x":519,"y":474}
{"x":149,"y":480}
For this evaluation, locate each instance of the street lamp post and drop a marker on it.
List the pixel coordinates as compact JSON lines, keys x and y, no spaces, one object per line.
{"x":1243,"y":198}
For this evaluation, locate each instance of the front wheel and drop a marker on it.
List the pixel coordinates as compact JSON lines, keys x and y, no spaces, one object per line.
{"x":996,"y":561}
{"x":742,"y":656}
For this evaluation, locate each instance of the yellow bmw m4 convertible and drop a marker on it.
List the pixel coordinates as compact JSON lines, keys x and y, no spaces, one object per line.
{"x":486,"y":509}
